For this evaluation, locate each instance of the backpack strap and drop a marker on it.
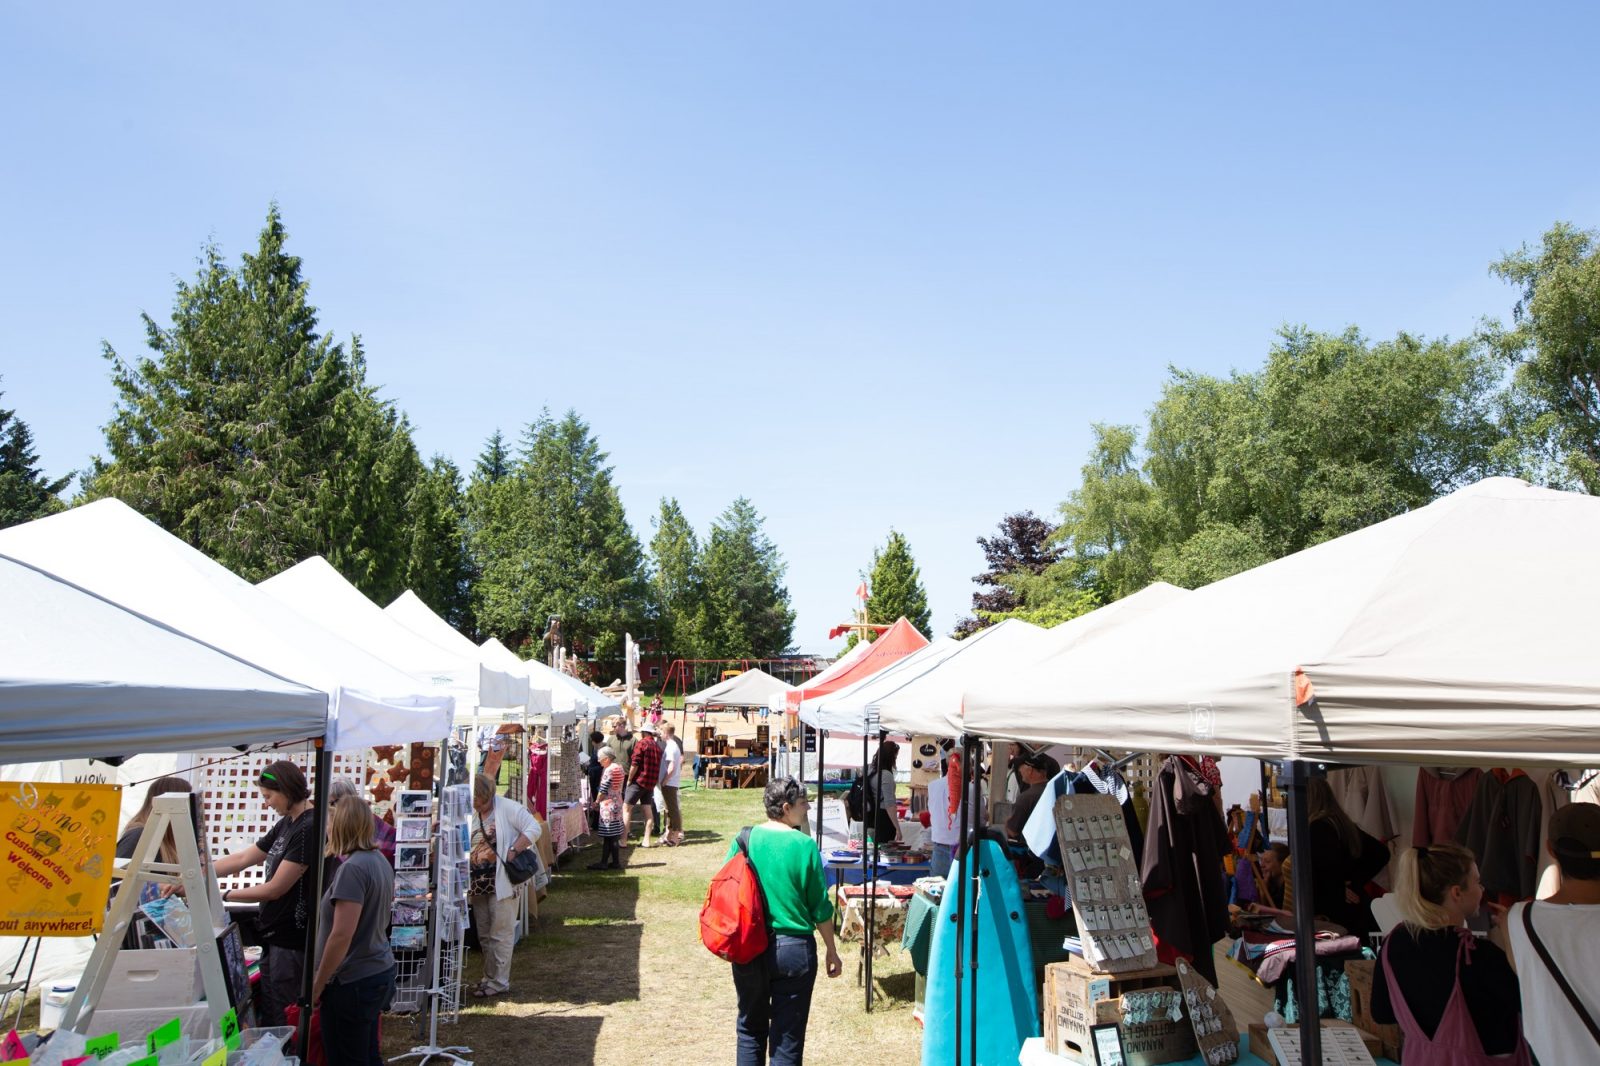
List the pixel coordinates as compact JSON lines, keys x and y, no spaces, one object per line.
{"x":743,"y":840}
{"x":1561,"y":980}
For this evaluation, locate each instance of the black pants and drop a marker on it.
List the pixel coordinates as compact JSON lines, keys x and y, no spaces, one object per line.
{"x":775,"y":1001}
{"x":610,"y":852}
{"x":350,"y":1019}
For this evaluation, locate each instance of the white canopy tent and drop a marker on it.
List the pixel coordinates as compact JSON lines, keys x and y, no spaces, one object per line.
{"x":549,"y":695}
{"x":926,"y":698}
{"x":846,"y":711}
{"x":81,"y":677}
{"x":319,"y":592}
{"x":1462,"y":632}
{"x":779,"y":701}
{"x":752,"y":688}
{"x":109,"y":549}
{"x":500,"y":690}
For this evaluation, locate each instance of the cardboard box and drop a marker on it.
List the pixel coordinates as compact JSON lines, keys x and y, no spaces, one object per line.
{"x":1359,"y":973}
{"x":1077,"y":997}
{"x":1261,"y":1047}
{"x":152,"y":977}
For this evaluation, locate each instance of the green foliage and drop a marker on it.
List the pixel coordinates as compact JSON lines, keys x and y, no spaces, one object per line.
{"x":25,"y":493}
{"x":550,"y":538}
{"x":254,"y":437}
{"x":439,"y":569}
{"x":1553,"y":412}
{"x":746,"y":605}
{"x":677,"y":584}
{"x":895,"y":587}
{"x":1331,"y":435}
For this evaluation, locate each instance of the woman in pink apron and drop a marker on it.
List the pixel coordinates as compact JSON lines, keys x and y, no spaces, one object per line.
{"x":1455,"y":999}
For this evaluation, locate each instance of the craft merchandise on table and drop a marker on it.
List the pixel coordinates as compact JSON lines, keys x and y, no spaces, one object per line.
{"x":1341,"y":1046}
{"x":1113,"y":923}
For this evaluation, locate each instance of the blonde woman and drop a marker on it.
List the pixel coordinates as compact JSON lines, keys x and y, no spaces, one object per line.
{"x":355,"y":966}
{"x":1456,"y":999}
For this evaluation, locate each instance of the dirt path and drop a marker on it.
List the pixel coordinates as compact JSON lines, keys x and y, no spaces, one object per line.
{"x":615,"y":972}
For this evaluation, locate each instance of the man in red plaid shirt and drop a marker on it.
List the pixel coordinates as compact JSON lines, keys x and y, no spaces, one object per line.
{"x":644,"y":773}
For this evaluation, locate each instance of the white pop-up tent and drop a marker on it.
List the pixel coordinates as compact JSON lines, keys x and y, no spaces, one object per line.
{"x":500,"y":690}
{"x":319,"y":592}
{"x":845,"y":711}
{"x":752,"y":688}
{"x":925,"y":698}
{"x":81,"y":677}
{"x":116,"y":553}
{"x":1460,"y":633}
{"x":562,"y":699}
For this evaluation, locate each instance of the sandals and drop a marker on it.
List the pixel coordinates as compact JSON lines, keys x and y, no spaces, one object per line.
{"x":482,"y":991}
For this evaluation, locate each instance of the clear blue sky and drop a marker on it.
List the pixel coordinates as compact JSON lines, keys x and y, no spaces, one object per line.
{"x":870,"y":265}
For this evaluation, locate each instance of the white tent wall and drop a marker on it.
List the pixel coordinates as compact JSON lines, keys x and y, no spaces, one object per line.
{"x":500,"y":688}
{"x":925,"y":698}
{"x":845,"y":710}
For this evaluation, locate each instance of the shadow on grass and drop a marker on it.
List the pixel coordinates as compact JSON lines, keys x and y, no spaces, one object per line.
{"x":901,"y":986}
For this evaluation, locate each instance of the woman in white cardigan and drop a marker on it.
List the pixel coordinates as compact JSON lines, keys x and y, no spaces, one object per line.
{"x":494,"y":897}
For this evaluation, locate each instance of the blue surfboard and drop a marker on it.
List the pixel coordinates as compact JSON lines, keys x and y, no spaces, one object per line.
{"x":1008,"y":1001}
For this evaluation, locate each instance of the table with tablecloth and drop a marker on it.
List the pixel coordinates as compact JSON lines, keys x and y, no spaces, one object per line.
{"x":1035,"y":1054}
{"x":567,"y":825}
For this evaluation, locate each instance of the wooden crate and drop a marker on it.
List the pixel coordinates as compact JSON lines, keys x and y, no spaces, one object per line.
{"x":1077,"y":997}
{"x":1359,"y":973}
{"x":1261,"y":1047}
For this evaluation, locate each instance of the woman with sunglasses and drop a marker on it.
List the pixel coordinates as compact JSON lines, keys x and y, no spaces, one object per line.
{"x":287,"y":852}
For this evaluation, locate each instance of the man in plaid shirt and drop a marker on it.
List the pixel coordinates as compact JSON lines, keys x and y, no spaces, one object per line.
{"x":644,"y":773}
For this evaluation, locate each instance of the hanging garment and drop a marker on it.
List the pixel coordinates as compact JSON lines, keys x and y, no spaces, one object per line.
{"x":1553,"y":795}
{"x":1509,"y":862}
{"x":1184,"y":887}
{"x":1442,"y":802}
{"x":1455,"y":1042}
{"x":1039,"y":832}
{"x":1473,"y":832}
{"x":539,"y":778}
{"x":1361,"y":792}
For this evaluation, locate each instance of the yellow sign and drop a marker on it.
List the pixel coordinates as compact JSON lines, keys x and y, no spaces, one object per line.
{"x":56,"y":857}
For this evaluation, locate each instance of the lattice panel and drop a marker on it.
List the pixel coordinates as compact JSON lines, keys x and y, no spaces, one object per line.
{"x":565,"y":777}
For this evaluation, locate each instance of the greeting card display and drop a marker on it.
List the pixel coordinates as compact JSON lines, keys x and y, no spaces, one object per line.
{"x":1107,"y":897}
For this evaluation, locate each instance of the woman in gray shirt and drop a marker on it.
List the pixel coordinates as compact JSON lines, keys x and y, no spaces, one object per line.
{"x":355,"y":967}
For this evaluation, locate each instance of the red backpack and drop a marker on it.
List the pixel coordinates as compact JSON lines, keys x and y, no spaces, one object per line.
{"x":733,"y":921}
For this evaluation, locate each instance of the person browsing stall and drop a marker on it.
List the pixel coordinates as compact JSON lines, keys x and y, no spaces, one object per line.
{"x":355,"y":972}
{"x":1344,"y":858}
{"x":643,"y":774}
{"x":382,"y":831}
{"x":774,"y":990}
{"x":671,"y":778}
{"x":1456,"y":1000}
{"x":285,"y":854}
{"x":501,"y":830}
{"x":1561,"y":936}
{"x":1036,"y":771}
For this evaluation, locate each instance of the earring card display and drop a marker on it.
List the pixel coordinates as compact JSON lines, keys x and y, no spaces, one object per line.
{"x":1341,"y":1046}
{"x":1107,"y":897}
{"x":1214,"y":1028}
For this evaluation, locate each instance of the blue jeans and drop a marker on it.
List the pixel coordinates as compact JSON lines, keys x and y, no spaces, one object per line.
{"x":939,"y":862}
{"x":350,"y":1019}
{"x":775,"y":1001}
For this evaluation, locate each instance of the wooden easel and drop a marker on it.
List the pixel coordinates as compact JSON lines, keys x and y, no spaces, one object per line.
{"x":171,"y":812}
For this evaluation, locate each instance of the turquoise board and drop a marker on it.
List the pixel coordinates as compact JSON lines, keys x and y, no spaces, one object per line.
{"x":1008,"y":1000}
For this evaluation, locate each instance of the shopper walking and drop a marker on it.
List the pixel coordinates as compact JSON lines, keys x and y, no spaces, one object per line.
{"x":671,"y":776}
{"x":502,"y":829}
{"x":355,"y":974}
{"x":642,"y":775}
{"x":285,"y":853}
{"x":1455,"y":1000}
{"x":609,"y":803}
{"x":1556,"y":945}
{"x":775,"y":990}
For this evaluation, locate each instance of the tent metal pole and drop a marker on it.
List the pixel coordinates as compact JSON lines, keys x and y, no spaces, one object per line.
{"x":822,"y":741}
{"x":319,"y":833}
{"x":869,"y":820}
{"x":1305,"y":933}
{"x":972,"y":932}
{"x":963,"y":855}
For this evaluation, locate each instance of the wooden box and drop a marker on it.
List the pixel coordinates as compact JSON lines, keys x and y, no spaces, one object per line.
{"x":1261,"y":1047}
{"x":1359,"y":973}
{"x":1077,"y":997}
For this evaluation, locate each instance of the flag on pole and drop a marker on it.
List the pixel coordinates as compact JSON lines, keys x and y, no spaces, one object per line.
{"x":861,"y":592}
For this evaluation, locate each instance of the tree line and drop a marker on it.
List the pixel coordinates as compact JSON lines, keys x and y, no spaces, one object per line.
{"x":1332,"y":433}
{"x":257,"y":437}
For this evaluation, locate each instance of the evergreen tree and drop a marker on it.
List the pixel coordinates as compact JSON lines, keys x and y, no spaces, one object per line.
{"x":254,"y":437}
{"x":894,"y":587}
{"x":747,"y":611}
{"x":1023,"y":546}
{"x":677,"y":587}
{"x":438,"y":569}
{"x":494,"y":462}
{"x":551,"y":538}
{"x":25,"y":493}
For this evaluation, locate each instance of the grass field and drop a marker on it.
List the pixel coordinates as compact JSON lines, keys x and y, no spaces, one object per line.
{"x":614,"y":971}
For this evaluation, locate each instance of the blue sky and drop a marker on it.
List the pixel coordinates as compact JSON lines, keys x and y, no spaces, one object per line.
{"x":870,"y":265}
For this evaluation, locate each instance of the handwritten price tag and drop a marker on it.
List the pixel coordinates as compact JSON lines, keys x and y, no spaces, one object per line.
{"x":230,"y":1030}
{"x":101,"y":1046}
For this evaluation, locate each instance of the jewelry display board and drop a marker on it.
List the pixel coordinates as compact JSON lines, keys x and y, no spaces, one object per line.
{"x":1214,"y":1028}
{"x":1341,"y":1046}
{"x":1107,"y":897}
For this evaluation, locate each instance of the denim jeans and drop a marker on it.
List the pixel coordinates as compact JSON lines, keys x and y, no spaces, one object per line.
{"x":350,"y":1019}
{"x":775,"y":1001}
{"x":939,"y":862}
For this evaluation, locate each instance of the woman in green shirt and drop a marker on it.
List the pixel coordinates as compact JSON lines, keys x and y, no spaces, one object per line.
{"x":775,"y":990}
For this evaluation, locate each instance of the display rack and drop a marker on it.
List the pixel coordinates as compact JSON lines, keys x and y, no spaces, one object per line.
{"x":447,"y":925}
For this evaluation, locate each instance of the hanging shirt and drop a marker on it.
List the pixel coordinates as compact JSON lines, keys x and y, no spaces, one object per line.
{"x":1441,"y":804}
{"x":1184,"y":887}
{"x":1509,"y":862}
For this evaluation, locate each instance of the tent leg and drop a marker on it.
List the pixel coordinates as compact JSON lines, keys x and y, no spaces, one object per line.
{"x":976,"y":876}
{"x":319,"y":832}
{"x":964,"y":853}
{"x":869,"y":818}
{"x":822,"y":743}
{"x":1305,"y":942}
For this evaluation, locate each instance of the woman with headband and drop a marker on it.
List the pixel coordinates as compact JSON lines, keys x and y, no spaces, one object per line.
{"x":287,"y":852}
